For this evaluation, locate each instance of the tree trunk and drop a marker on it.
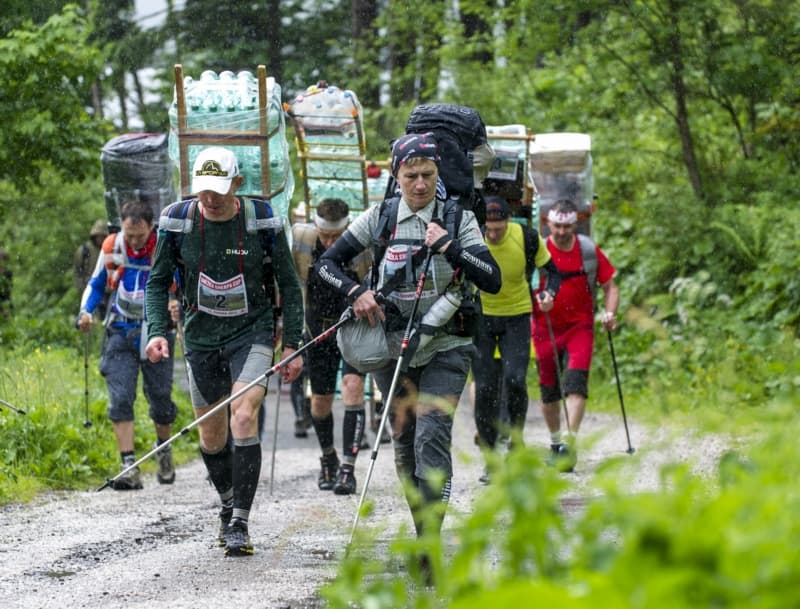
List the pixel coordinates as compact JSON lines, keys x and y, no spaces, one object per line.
{"x":363,"y":14}
{"x":122,"y":94}
{"x":275,"y":64}
{"x":402,"y":47}
{"x":675,"y":50}
{"x":476,"y":28}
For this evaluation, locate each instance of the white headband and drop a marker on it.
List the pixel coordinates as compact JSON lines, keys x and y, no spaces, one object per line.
{"x":324,"y":224}
{"x":562,"y":217}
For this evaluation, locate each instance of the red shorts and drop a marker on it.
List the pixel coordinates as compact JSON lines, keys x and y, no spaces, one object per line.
{"x":576,"y":342}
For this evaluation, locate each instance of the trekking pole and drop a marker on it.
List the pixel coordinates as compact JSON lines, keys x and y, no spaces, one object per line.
{"x":630,"y":449}
{"x":558,"y":368}
{"x":346,"y":316}
{"x":275,"y":437}
{"x":86,"y":422}
{"x":388,"y":402}
{"x":11,"y":407}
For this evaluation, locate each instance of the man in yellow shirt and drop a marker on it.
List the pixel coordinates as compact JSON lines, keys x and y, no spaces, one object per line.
{"x":506,"y":323}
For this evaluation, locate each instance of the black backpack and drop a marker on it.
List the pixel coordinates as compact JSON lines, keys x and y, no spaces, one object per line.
{"x":458,"y":131}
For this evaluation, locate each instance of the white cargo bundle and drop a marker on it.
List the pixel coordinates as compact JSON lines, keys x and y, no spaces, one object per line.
{"x":560,"y":167}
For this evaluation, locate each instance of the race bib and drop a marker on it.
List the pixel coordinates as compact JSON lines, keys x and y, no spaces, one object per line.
{"x":395,"y":261}
{"x":130,"y":302}
{"x":222,"y":298}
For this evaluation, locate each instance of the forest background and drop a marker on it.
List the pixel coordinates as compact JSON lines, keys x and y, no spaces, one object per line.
{"x":693,"y":109}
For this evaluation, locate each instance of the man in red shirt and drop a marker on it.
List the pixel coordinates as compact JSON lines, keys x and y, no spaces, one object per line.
{"x":583,"y":267}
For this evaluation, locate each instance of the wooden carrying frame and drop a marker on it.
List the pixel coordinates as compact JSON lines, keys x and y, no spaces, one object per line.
{"x":198,"y":137}
{"x":307,"y":157}
{"x":523,"y":205}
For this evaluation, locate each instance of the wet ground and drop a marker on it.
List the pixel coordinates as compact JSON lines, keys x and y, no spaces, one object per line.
{"x":157,"y":547}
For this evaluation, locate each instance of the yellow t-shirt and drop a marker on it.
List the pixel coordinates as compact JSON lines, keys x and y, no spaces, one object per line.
{"x":514,"y":297}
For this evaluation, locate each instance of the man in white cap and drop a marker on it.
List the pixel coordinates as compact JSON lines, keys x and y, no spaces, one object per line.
{"x":229,"y":251}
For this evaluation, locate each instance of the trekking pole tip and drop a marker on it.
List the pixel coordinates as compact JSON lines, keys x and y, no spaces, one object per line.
{"x":630,"y":450}
{"x":105,"y":485}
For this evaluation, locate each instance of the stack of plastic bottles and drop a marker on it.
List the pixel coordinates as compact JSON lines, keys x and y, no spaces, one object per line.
{"x":226,"y":105}
{"x":328,"y":122}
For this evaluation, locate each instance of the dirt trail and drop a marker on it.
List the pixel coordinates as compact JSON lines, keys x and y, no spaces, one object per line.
{"x":156,"y":547}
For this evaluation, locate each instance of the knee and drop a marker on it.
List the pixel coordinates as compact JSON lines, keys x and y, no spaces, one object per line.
{"x":352,"y":387}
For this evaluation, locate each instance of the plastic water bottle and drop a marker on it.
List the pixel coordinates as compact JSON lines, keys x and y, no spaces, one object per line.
{"x":442,"y":310}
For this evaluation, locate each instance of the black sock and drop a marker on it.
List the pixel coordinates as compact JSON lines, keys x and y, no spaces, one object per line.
{"x":246,"y":471}
{"x":429,"y":513}
{"x":324,"y":429}
{"x":220,"y":468}
{"x":352,"y":432}
{"x":128,"y":457}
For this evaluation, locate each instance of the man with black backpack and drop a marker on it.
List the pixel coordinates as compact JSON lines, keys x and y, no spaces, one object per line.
{"x":506,"y":323}
{"x":403,"y":231}
{"x":228,"y":251}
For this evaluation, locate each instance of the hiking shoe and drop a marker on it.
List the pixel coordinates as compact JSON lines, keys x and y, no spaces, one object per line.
{"x":426,"y":570}
{"x":563,"y":457}
{"x":301,"y":428}
{"x":166,"y":469}
{"x":225,"y":515}
{"x":131,"y":481}
{"x":345,"y":481}
{"x":327,"y":473}
{"x":237,"y":539}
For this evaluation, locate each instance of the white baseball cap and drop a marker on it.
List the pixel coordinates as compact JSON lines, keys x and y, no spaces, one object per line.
{"x":214,"y":168}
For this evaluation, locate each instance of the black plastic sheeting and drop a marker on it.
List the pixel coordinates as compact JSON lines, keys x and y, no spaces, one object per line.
{"x":136,"y":166}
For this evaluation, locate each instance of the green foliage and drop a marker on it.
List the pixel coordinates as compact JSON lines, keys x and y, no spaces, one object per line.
{"x":47,"y":73}
{"x":49,"y":447}
{"x":42,"y":228}
{"x":721,"y":538}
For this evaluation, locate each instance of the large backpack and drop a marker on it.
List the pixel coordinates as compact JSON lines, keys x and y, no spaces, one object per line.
{"x":459,"y":131}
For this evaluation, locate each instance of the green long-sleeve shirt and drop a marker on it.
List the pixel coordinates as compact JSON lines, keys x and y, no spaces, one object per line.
{"x":220,"y":252}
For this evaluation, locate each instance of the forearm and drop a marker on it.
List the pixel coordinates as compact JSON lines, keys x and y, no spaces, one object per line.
{"x":290,"y":292}
{"x":331,"y":267}
{"x":477,"y":264}
{"x":159,"y":284}
{"x":553,"y":278}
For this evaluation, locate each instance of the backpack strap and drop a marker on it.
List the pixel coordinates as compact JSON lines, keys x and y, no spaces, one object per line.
{"x":177,"y":219}
{"x":531,"y":245}
{"x":304,"y":238}
{"x":452,"y":214}
{"x":589,"y":264}
{"x":589,"y":260}
{"x":259,"y":218}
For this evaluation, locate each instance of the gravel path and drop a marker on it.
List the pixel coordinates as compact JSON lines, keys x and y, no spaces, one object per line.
{"x":156,"y":547}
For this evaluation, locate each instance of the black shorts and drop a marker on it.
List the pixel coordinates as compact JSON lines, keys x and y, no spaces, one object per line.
{"x":322,"y":366}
